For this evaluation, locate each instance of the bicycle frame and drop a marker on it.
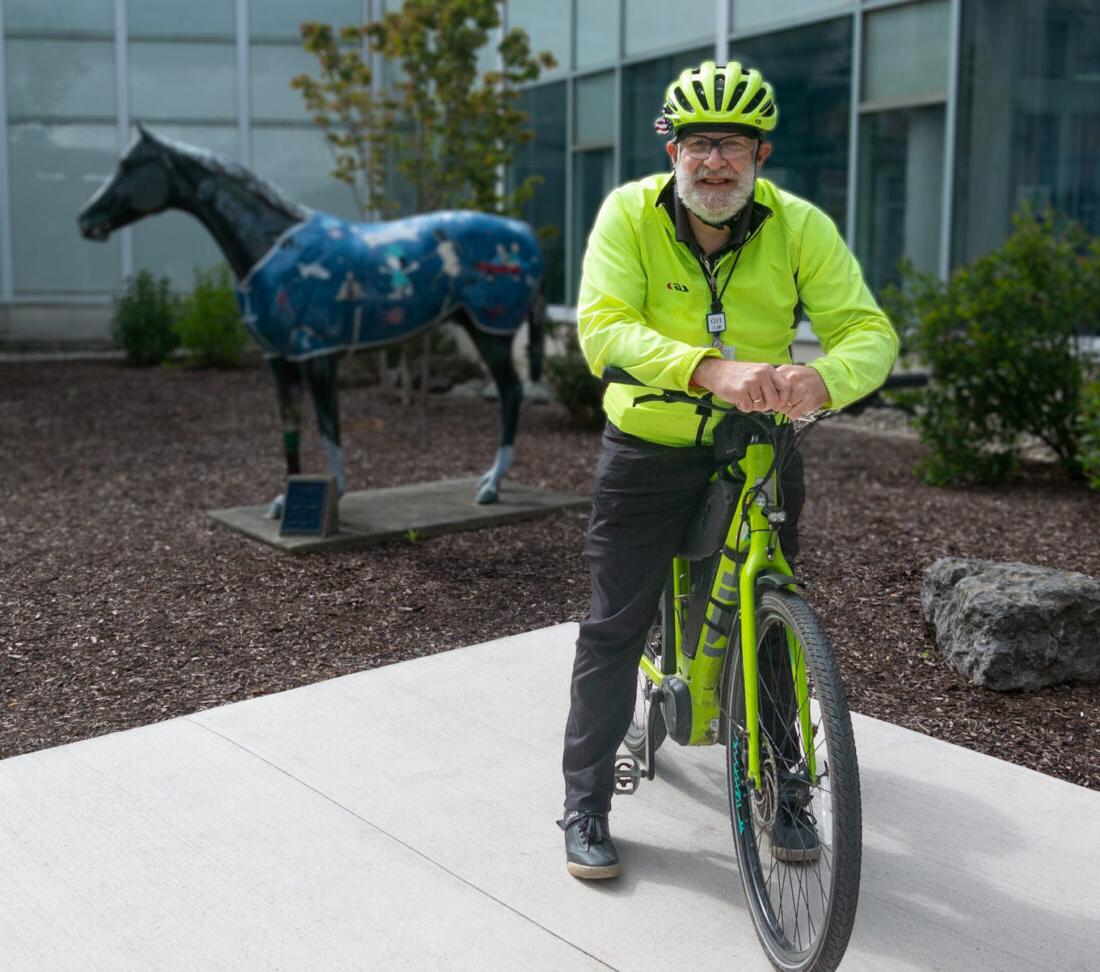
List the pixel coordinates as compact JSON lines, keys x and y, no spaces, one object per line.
{"x":748,"y":557}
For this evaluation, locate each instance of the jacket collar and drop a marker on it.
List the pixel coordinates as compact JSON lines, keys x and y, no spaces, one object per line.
{"x":742,"y":229}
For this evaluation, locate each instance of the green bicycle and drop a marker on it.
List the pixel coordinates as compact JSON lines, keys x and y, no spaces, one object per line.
{"x":737,"y":657}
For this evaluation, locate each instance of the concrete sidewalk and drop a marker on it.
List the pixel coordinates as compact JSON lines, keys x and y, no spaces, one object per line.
{"x":403,"y":818}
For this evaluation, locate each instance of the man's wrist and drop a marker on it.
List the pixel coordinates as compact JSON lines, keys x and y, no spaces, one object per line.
{"x":705,"y":372}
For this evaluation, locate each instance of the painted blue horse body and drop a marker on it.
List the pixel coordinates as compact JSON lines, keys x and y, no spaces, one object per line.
{"x":329,"y":285}
{"x":312,"y":286}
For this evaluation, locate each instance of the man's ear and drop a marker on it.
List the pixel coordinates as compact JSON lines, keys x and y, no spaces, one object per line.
{"x":762,"y":152}
{"x":670,"y":147}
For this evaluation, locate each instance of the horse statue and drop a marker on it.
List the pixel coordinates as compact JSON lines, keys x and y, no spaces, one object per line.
{"x":313,"y":287}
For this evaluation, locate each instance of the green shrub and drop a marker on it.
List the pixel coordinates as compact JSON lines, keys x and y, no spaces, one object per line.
{"x":209,"y":326}
{"x":575,"y":386}
{"x":999,"y":338}
{"x":144,"y":314}
{"x":1088,"y":427}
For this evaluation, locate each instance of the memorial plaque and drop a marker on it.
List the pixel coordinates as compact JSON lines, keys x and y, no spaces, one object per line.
{"x":310,"y":506}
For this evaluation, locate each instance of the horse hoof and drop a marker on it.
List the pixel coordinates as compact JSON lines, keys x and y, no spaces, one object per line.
{"x":275,"y":510}
{"x":487,"y":494}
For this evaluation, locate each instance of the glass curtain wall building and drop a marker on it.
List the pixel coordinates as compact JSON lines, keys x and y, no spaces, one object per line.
{"x":918,"y":125}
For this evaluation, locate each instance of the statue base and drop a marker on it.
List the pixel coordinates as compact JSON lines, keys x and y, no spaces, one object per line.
{"x":410,"y":513}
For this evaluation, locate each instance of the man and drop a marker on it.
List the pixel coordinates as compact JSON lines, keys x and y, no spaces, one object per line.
{"x":694,"y":281}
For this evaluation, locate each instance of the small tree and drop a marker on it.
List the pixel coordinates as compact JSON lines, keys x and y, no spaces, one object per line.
{"x":144,"y":317}
{"x":209,"y":325}
{"x":1001,"y":338}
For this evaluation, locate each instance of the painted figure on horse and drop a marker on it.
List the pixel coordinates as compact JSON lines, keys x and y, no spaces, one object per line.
{"x":313,"y":287}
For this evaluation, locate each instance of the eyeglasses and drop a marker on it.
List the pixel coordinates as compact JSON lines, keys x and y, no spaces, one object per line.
{"x":699,"y":147}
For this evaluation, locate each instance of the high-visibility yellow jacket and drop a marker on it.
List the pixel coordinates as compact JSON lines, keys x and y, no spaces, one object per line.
{"x":644,"y":299}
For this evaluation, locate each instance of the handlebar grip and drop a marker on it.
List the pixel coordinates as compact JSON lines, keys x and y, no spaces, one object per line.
{"x":618,"y":376}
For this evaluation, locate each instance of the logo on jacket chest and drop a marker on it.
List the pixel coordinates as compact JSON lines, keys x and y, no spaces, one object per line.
{"x":682,"y":288}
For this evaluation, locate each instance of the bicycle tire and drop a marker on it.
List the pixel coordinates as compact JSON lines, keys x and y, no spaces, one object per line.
{"x":642,"y":721}
{"x":796,"y":941}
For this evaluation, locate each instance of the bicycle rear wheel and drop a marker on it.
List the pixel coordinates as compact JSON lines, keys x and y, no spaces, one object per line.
{"x":802,"y":898}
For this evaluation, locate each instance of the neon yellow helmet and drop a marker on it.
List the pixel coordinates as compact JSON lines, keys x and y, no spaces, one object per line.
{"x":709,"y":97}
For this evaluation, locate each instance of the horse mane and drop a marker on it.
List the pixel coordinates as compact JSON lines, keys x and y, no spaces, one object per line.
{"x":235,"y":171}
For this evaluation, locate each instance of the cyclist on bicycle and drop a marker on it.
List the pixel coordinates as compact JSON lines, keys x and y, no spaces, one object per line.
{"x":695,"y":280}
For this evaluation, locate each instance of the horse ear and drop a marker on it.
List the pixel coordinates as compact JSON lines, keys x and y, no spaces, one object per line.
{"x":146,"y":135}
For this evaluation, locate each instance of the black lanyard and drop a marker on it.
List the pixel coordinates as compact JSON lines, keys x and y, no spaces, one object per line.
{"x":716,"y":319}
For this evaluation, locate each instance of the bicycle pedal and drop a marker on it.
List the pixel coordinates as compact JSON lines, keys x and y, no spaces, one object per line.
{"x":628,"y":774}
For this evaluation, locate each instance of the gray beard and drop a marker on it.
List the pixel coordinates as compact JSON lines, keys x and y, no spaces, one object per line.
{"x":710,"y":205}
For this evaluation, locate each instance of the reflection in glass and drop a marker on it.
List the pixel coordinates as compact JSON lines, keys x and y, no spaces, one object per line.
{"x":900,"y":191}
{"x":298,"y":162}
{"x":547,"y":26}
{"x":751,"y":14}
{"x":597,"y":33}
{"x":175,"y":243}
{"x":273,"y":66}
{"x":594,"y":111}
{"x":59,"y":15}
{"x":905,"y":51}
{"x":545,"y":156}
{"x":54,"y":171}
{"x":280,"y":18}
{"x":593,"y":179}
{"x":652,"y":26}
{"x":1029,"y":117}
{"x":183,"y":81}
{"x":61,"y":77}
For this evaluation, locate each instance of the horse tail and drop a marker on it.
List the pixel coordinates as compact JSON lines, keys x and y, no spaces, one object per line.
{"x":536,"y":332}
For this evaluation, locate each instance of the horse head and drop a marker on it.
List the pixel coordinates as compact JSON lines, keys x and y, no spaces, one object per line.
{"x":140,"y":186}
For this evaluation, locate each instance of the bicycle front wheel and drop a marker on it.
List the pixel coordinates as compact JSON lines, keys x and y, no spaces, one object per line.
{"x":799,"y":834}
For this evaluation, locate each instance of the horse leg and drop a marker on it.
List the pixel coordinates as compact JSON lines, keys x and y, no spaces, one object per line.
{"x":496,"y":351}
{"x":320,"y":375}
{"x":288,"y":387}
{"x":536,"y":390}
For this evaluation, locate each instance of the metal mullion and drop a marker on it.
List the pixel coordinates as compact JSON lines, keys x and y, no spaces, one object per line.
{"x":7,"y":283}
{"x":852,"y":212}
{"x":721,"y":31}
{"x":244,"y":85}
{"x":122,"y":100}
{"x":951,"y":114}
{"x":570,"y":286}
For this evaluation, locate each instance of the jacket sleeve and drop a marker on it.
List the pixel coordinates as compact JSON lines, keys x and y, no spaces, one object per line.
{"x":610,"y":323}
{"x":860,"y":343}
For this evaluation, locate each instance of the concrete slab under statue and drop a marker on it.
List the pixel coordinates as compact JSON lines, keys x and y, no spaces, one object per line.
{"x":415,"y":511}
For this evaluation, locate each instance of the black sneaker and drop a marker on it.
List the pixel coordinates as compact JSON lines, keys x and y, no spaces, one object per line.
{"x":794,"y":837}
{"x":589,"y":852}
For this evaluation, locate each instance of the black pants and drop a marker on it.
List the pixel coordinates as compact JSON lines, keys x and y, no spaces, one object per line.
{"x":643,"y":499}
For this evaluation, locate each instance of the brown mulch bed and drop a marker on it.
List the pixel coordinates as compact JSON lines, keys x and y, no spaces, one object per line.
{"x":123,"y":603}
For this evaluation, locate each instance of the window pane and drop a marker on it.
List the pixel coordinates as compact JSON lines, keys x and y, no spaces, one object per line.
{"x":750,"y":14}
{"x":62,"y":77}
{"x":905,"y":51}
{"x":280,"y":18}
{"x":593,"y":179}
{"x":59,"y":15}
{"x":651,"y":25}
{"x":547,"y":25}
{"x":173,"y":242}
{"x":273,"y":67}
{"x":206,"y":18}
{"x":1029,"y":117}
{"x":594,"y":109}
{"x":55,"y":169}
{"x":298,"y":162}
{"x":597,"y":33}
{"x":644,"y":88}
{"x":811,"y":71}
{"x":900,"y":191}
{"x":545,"y":156}
{"x":183,"y":80}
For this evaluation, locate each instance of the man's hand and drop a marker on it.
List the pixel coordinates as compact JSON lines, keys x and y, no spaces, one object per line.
{"x":806,"y":390}
{"x":748,"y":385}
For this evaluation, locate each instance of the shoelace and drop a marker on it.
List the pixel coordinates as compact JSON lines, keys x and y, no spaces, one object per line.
{"x":591,"y":828}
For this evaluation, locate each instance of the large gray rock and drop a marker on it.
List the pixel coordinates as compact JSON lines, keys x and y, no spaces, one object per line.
{"x":1014,"y":626}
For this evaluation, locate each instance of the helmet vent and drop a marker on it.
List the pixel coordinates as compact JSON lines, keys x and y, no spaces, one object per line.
{"x":754,"y":101}
{"x":737,"y":92}
{"x":769,"y":111}
{"x":701,"y":94}
{"x":719,"y":90}
{"x":678,"y":94}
